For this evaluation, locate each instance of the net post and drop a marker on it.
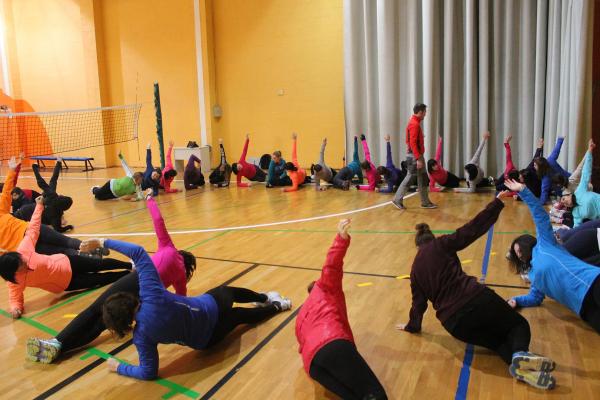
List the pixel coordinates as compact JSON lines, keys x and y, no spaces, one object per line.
{"x":159,"y":127}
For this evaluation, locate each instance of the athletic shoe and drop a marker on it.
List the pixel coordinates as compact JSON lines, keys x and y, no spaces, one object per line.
{"x":272,"y":297}
{"x":95,"y":189}
{"x":532,"y":361}
{"x":428,"y":205}
{"x":538,"y":379}
{"x":43,"y":351}
{"x":399,"y":205}
{"x":283,"y":304}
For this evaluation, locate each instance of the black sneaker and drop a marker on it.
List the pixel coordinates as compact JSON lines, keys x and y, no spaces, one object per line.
{"x":428,"y":205}
{"x":398,"y":205}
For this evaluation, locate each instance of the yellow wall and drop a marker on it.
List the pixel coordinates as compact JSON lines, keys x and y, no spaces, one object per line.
{"x":143,"y":41}
{"x":263,"y":46}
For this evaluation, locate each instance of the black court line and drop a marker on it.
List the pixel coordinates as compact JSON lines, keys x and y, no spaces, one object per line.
{"x":53,"y":390}
{"x":211,"y":392}
{"x":506,"y":286}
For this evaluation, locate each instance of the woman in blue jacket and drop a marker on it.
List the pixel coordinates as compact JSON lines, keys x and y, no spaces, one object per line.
{"x":164,"y":317}
{"x":552,"y":270}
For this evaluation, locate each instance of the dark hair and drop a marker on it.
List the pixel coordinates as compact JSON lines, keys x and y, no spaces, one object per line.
{"x":381,"y":170}
{"x":9,"y":264}
{"x":543,"y":166}
{"x":430,"y":164}
{"x":264,"y":161}
{"x":560,"y":181}
{"x":526,"y":244}
{"x":234,"y":168}
{"x":471,"y":171}
{"x":513,"y":174}
{"x":277,"y":153}
{"x":289,"y":166}
{"x":190,"y":263}
{"x":424,"y":234}
{"x":18,"y":191}
{"x":365,"y":165}
{"x":118,"y":313}
{"x":574,"y":200}
{"x":158,"y":171}
{"x":419,"y":107}
{"x":403,"y":165}
{"x":311,"y":286}
{"x":316,"y":168}
{"x":170,"y":174}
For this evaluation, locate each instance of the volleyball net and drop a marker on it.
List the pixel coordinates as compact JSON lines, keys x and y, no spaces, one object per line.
{"x":57,"y":132}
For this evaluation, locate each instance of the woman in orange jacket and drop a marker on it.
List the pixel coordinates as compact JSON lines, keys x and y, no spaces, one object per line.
{"x":297,"y":174}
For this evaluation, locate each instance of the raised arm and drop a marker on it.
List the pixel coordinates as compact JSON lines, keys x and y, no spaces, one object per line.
{"x":169,"y":160}
{"x":33,"y":229}
{"x":295,"y":150}
{"x":322,"y":152}
{"x":149,"y":166}
{"x":474,"y":229}
{"x":148,"y":358}
{"x":540,"y":216}
{"x":556,"y":150}
{"x":438,"y":151}
{"x":509,"y":163}
{"x":575,"y":177}
{"x":245,"y":149}
{"x":477,"y":155}
{"x":6,"y":197}
{"x":365,"y":146}
{"x":150,"y":285}
{"x":125,"y":166}
{"x":332,"y":273}
{"x":223,"y":156}
{"x":586,"y":174}
{"x":164,"y":240}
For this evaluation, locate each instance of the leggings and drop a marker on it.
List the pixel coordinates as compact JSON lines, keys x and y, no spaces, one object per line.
{"x":590,"y":309}
{"x":88,"y":324}
{"x":279,"y":181}
{"x":452,"y":182}
{"x":584,"y":245}
{"x":259,"y":176}
{"x":488,"y":321}
{"x":41,"y":182}
{"x":565,"y":234}
{"x":422,"y":181}
{"x":230,"y":317}
{"x":220,"y":177}
{"x":85,"y":272}
{"x":341,"y":180}
{"x":340,"y":368}
{"x":104,"y":192}
{"x":53,"y":242}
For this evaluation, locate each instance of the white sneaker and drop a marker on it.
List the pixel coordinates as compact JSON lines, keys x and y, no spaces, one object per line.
{"x":272,"y":296}
{"x":283,"y":304}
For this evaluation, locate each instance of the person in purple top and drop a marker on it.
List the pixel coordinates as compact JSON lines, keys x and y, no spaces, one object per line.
{"x":164,"y":317}
{"x":392,"y":175}
{"x":470,"y":311}
{"x":192,"y":175}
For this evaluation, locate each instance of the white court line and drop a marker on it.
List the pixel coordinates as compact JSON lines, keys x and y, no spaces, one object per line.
{"x":236,"y":228}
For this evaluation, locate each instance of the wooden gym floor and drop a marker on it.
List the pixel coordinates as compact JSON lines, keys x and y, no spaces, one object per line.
{"x":262,"y":362}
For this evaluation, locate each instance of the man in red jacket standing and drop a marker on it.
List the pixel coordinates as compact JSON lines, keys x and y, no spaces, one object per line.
{"x":326,"y":342}
{"x":415,"y":161}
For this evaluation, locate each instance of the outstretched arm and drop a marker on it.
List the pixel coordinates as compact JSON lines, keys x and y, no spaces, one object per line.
{"x":169,"y":160}
{"x":322,"y":152}
{"x":477,"y":155}
{"x":586,"y":174}
{"x":125,"y":166}
{"x":509,"y":163}
{"x":164,"y":240}
{"x":474,"y":229}
{"x":540,"y":216}
{"x":332,"y":273}
{"x":245,"y":149}
{"x":365,"y":146}
{"x":438,"y":151}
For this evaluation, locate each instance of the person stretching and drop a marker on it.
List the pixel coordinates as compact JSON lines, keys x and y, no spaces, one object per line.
{"x":551,"y":269}
{"x":126,"y":188}
{"x":392,"y":175}
{"x":473,"y":170}
{"x":168,"y":173}
{"x":373,"y":178}
{"x":585,"y":203}
{"x":175,"y":268}
{"x":151,"y":178}
{"x":164,"y":317}
{"x":192,"y":175}
{"x":55,"y":205}
{"x":221,"y":175}
{"x":297,"y":174}
{"x":438,"y":174}
{"x":12,"y":230}
{"x":325,"y":339}
{"x":468,"y":310}
{"x":276,"y":175}
{"x":247,"y":170}
{"x":510,"y":171}
{"x":355,"y":164}
{"x":414,"y":160}
{"x":20,"y":196}
{"x":321,"y":171}
{"x":56,"y":273}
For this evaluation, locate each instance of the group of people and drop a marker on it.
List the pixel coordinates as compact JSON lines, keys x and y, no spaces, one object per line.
{"x":561,"y":264}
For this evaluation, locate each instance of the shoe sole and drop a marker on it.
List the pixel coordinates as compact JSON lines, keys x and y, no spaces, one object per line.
{"x":533,"y":363}
{"x":538,"y":379}
{"x":38,"y":352}
{"x":429,"y":207}
{"x":399,"y":206}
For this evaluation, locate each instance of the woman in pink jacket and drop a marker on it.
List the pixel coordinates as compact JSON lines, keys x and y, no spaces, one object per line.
{"x":168,"y":173}
{"x":373,"y":178}
{"x":326,"y":342}
{"x":56,"y":273}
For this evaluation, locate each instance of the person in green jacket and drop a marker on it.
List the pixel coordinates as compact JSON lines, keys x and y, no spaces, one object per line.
{"x":126,"y":188}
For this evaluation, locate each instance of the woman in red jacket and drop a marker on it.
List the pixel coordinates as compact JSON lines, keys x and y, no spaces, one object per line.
{"x":326,"y":342}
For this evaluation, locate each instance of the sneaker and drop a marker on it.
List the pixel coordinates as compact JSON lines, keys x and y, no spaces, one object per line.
{"x":428,"y":205}
{"x":43,"y":351}
{"x":272,"y":297}
{"x":283,"y":304}
{"x":399,"y":205}
{"x":532,"y":361}
{"x":538,"y":379}
{"x":95,"y":189}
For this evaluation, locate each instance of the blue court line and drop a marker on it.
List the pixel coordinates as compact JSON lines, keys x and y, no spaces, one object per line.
{"x":465,"y":372}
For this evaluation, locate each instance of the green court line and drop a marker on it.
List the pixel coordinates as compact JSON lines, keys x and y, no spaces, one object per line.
{"x":206,"y":240}
{"x":174,"y":388}
{"x":67,"y":301}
